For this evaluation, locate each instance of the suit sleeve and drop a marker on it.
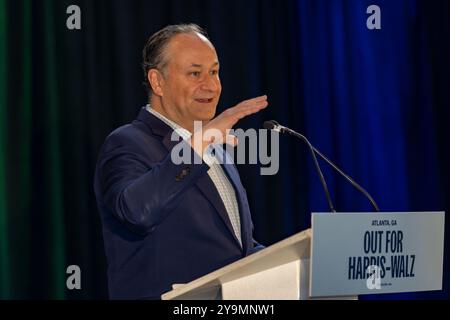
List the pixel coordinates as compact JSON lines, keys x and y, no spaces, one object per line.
{"x":140,"y":193}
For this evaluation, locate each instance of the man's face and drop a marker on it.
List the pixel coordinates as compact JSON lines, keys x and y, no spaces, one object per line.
{"x":191,"y":86}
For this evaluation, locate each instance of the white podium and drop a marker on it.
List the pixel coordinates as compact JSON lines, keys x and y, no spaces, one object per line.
{"x":273,"y":273}
{"x":346,"y":255}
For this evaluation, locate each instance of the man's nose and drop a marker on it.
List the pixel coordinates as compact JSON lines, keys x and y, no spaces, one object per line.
{"x":210,"y":84}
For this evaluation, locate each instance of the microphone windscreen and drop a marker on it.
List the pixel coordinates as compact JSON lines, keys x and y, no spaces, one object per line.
{"x":269,"y":125}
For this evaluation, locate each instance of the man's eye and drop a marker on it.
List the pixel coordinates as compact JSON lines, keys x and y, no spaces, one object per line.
{"x":194,"y":73}
{"x":214,"y":72}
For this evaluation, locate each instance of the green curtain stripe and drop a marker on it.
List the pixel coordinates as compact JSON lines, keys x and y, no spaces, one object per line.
{"x":57,"y":241}
{"x":20,"y":276}
{"x":5,"y":291}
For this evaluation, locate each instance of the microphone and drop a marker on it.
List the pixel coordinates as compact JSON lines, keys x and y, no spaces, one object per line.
{"x":273,"y":125}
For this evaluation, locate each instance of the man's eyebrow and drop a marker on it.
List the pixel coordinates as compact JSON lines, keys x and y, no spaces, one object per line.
{"x":196,"y":65}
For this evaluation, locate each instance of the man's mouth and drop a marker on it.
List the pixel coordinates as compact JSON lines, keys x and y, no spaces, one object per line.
{"x":204,"y":100}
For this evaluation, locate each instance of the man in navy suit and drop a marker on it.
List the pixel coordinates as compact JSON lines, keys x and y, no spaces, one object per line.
{"x":166,"y":222}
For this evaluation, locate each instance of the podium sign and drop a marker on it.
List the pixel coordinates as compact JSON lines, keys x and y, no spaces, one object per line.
{"x":372,"y":253}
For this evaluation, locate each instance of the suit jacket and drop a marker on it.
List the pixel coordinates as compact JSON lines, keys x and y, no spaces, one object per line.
{"x":163,"y":223}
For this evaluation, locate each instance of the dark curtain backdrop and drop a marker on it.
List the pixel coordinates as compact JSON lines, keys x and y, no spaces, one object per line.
{"x":376,"y":102}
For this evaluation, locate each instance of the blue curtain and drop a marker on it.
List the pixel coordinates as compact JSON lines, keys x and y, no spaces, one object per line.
{"x":374,"y":101}
{"x":368,"y":102}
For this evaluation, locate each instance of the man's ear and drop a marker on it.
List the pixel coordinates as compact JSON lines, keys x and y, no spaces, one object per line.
{"x":156,"y":81}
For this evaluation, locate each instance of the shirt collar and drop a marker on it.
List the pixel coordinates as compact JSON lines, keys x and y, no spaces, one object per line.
{"x":182,"y":132}
{"x":185,"y":134}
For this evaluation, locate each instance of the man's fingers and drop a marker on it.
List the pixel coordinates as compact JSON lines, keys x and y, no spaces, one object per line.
{"x":251,"y":102}
{"x":229,"y":117}
{"x":264,"y":97}
{"x":253,"y":107}
{"x":239,"y":114}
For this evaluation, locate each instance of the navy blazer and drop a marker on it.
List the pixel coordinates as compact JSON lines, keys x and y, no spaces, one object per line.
{"x":163,"y":223}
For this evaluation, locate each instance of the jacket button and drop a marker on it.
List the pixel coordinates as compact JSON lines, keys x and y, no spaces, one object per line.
{"x":182,"y":174}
